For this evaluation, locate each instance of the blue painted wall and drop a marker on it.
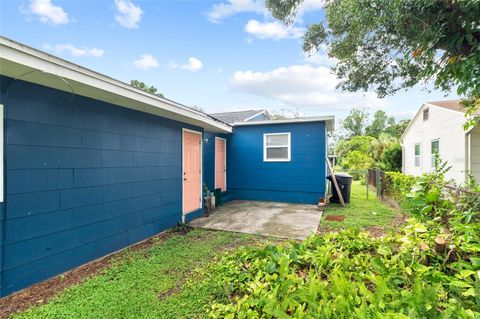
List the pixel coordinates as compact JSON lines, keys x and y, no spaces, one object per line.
{"x":83,"y":178}
{"x":302,"y":180}
{"x":209,"y":158}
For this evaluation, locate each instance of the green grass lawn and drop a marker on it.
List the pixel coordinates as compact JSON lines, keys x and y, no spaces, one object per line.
{"x":156,"y":282}
{"x":167,"y":278}
{"x":361,"y":212}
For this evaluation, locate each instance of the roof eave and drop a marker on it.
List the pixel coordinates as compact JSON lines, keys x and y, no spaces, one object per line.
{"x":20,"y":62}
{"x":329,"y":120}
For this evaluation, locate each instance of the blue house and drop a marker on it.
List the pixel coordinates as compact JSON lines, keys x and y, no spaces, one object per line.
{"x":91,"y":165}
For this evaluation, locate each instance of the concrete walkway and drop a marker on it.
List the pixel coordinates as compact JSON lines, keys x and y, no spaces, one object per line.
{"x":295,"y":221}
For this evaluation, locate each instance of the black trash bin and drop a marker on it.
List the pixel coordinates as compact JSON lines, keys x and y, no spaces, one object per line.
{"x":218,"y":197}
{"x":344,"y":182}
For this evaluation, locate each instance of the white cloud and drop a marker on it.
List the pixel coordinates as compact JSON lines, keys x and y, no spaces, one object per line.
{"x":73,"y":50}
{"x":146,"y":61}
{"x":222,"y":10}
{"x":193,"y":65}
{"x":232,"y":7}
{"x":129,"y":15}
{"x":310,"y":6}
{"x":47,"y":12}
{"x":320,"y":57}
{"x":300,"y":86}
{"x":273,"y":30}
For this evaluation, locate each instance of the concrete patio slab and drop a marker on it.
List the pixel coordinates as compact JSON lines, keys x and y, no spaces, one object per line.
{"x":294,"y":221}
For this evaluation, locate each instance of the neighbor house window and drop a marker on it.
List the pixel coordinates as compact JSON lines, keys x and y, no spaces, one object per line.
{"x":435,"y":146}
{"x":276,"y":147}
{"x":417,"y":155}
{"x":426,"y":114}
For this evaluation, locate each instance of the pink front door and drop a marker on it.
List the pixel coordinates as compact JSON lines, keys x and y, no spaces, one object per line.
{"x":192,"y":197}
{"x":220,"y":164}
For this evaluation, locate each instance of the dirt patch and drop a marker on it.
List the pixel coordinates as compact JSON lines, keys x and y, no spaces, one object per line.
{"x":379,"y":231}
{"x":375,"y":231}
{"x":173,"y":290}
{"x":335,"y":218}
{"x":324,"y":229}
{"x":42,"y":292}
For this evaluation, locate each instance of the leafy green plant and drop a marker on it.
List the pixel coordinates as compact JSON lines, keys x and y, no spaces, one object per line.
{"x":391,"y":158}
{"x":399,"y":185}
{"x":349,"y":274}
{"x":429,"y":269}
{"x":427,"y":198}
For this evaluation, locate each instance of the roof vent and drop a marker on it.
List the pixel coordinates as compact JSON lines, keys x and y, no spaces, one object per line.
{"x":425,"y":114}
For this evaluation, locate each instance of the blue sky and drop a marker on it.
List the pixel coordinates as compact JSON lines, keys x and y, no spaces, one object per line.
{"x":220,"y":55}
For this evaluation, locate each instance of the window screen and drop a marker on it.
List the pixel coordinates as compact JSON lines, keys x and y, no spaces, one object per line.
{"x":435,"y":149}
{"x":276,"y":147}
{"x":417,"y":155}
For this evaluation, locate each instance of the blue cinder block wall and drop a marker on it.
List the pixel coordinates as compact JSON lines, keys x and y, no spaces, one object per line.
{"x":83,"y":178}
{"x":302,"y":180}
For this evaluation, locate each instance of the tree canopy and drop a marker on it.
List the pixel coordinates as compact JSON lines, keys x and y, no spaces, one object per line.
{"x":143,"y":86}
{"x":379,"y":124}
{"x":386,"y":46}
{"x":354,"y":124}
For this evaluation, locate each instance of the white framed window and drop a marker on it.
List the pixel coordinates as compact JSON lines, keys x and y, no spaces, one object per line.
{"x":276,"y":147}
{"x":435,"y":149}
{"x":418,"y":155}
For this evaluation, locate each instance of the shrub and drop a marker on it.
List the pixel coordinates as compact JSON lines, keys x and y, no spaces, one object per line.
{"x":399,"y":185}
{"x":357,"y":163}
{"x":391,"y":158}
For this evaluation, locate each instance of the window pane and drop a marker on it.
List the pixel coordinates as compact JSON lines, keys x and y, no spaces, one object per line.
{"x":417,"y":161}
{"x":277,"y":153}
{"x":435,"y":147}
{"x":276,"y":140}
{"x":417,"y":149}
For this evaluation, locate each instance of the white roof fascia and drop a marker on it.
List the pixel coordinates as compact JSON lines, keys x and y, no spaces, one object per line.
{"x":14,"y":54}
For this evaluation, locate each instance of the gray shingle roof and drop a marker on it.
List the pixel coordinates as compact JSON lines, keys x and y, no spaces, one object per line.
{"x":232,"y":117}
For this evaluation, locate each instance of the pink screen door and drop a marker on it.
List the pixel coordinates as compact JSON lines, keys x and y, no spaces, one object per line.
{"x":192,"y":197}
{"x":220,"y":164}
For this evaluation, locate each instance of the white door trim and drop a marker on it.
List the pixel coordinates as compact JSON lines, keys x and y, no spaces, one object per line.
{"x":201,"y":170}
{"x":225,"y":162}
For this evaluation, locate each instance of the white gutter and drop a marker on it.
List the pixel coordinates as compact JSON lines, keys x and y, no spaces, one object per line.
{"x":330,"y":120}
{"x":17,"y":60}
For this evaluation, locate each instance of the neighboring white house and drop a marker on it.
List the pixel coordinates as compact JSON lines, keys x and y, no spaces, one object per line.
{"x":439,"y":127}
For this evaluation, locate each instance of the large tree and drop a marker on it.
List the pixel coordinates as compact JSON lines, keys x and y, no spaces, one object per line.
{"x":381,"y":122}
{"x":355,"y":122}
{"x":386,"y":46}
